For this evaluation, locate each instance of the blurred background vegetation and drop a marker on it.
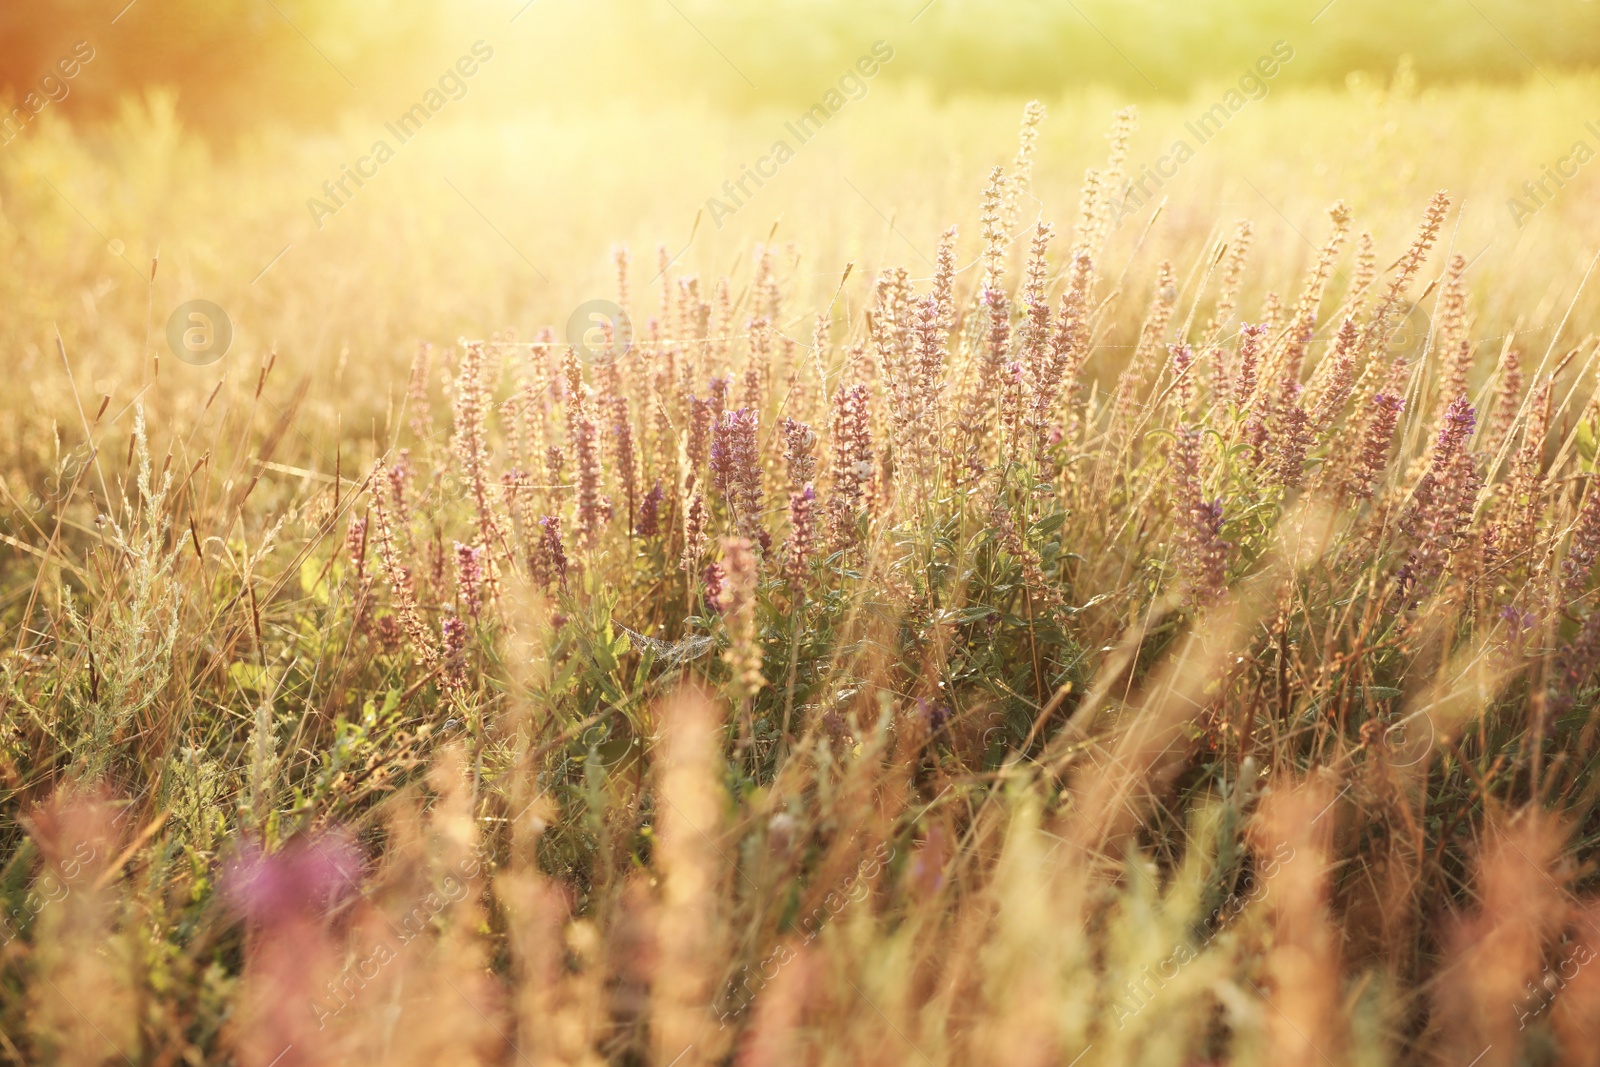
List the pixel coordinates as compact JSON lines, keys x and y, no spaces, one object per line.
{"x":237,"y":63}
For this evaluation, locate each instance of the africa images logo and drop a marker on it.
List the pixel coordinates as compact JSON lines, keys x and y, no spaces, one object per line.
{"x":199,"y":332}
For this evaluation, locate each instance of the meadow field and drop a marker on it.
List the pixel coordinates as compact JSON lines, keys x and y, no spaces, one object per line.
{"x":875,"y":569}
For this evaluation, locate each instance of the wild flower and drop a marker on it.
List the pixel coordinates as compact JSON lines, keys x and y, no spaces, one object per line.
{"x":1238,"y":253}
{"x":1039,"y":364}
{"x":664,"y":272}
{"x":399,"y":475}
{"x":760,"y":335}
{"x":555,"y":462}
{"x":401,"y":587}
{"x":1104,"y":192}
{"x":417,"y":393}
{"x":799,"y":451}
{"x":355,"y":545}
{"x":390,"y":634}
{"x":1252,"y":342}
{"x":764,"y":287}
{"x":622,"y":261}
{"x":1443,"y":502}
{"x":1366,"y":265}
{"x":736,"y":469}
{"x":1372,"y":459}
{"x":735,"y":597}
{"x":1517,"y":512}
{"x":983,"y":400}
{"x":891,"y":328}
{"x":798,"y":549}
{"x":649,"y":524}
{"x":1575,"y":665}
{"x":722,"y":299}
{"x":698,"y":445}
{"x":1056,"y":379}
{"x":922,"y":402}
{"x":714,"y":578}
{"x":821,"y":345}
{"x":469,"y":578}
{"x":1290,"y":445}
{"x":1375,"y":337}
{"x":471,"y":433}
{"x":1183,"y":391}
{"x":520,"y":415}
{"x":593,"y":510}
{"x":1012,"y":401}
{"x":439,"y":564}
{"x":1035,"y":300}
{"x":1286,"y":359}
{"x":1272,"y":312}
{"x":992,"y":231}
{"x":548,"y":564}
{"x":662,"y":402}
{"x":718,"y":387}
{"x":1340,"y":379}
{"x":1508,"y":395}
{"x":454,"y":635}
{"x":1583,"y":545}
{"x":1093,"y":204}
{"x":623,"y":459}
{"x":944,"y":271}
{"x":1016,"y":191}
{"x":1450,"y":314}
{"x":850,"y":462}
{"x":1202,"y":554}
{"x":1322,"y":271}
{"x":304,"y":879}
{"x":694,"y":531}
{"x":1131,"y":382}
{"x":516,"y":489}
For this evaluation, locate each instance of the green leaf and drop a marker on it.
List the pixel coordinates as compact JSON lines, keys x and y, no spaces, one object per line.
{"x":1588,"y":437}
{"x":312,"y":581}
{"x":1049,"y":524}
{"x":246,"y":675}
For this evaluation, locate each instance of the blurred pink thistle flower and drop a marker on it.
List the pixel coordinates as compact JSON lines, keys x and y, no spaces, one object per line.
{"x":303,"y":879}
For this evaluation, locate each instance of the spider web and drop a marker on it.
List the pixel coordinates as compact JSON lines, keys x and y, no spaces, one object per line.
{"x":671,"y":653}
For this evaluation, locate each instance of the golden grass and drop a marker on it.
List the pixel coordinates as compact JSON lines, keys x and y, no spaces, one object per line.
{"x":1131,"y":686}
